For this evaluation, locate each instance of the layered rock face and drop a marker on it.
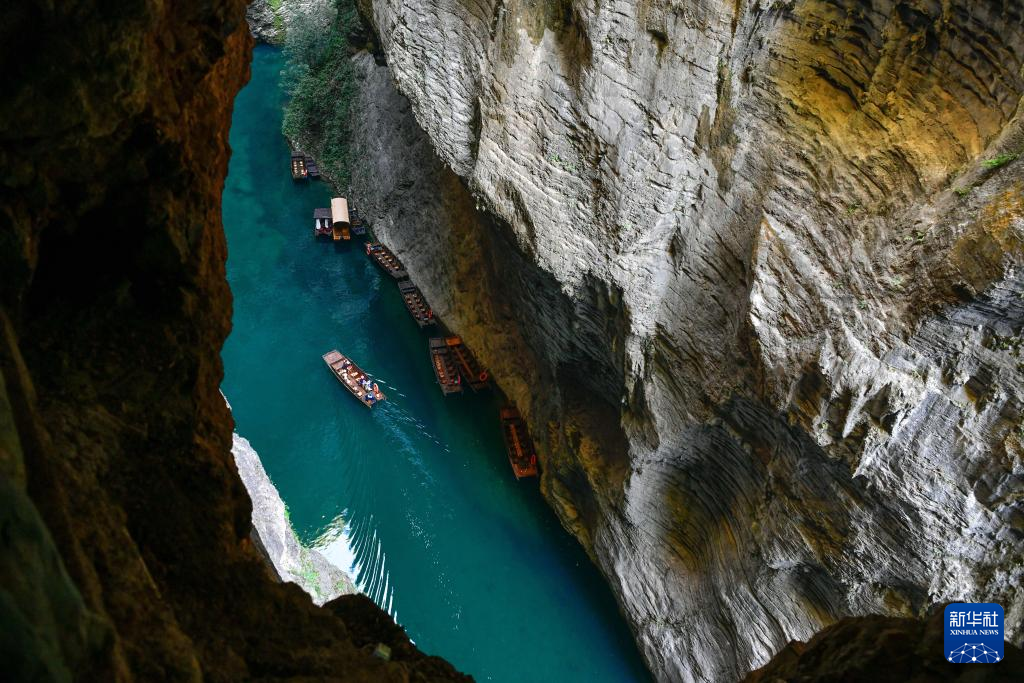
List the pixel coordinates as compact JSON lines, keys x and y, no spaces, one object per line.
{"x":125,"y":551}
{"x":269,"y":21}
{"x":275,"y":538}
{"x":753,"y":271}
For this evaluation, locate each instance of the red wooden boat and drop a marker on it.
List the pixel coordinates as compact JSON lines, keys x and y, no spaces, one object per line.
{"x":444,"y":367}
{"x":358,"y":383}
{"x":416,"y":304}
{"x":521,"y":454}
{"x":383,"y":257}
{"x":469,"y":368}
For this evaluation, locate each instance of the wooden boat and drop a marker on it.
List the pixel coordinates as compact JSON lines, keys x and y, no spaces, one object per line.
{"x":383,"y":257}
{"x":311,"y":168}
{"x":339,"y":219}
{"x":471,"y":371}
{"x":444,"y":367}
{"x":358,"y":383}
{"x":358,"y":224}
{"x":416,"y":304}
{"x":299,"y":171}
{"x":322,"y":223}
{"x":521,"y":454}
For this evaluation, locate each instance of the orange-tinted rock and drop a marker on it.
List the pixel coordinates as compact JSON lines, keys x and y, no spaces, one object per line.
{"x":125,"y":551}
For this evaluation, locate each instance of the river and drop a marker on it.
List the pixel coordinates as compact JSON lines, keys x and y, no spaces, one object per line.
{"x":417,"y":494}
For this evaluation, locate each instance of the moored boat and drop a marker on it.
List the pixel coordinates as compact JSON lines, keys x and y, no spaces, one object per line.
{"x":311,"y":168}
{"x":444,"y":366}
{"x":358,"y":223}
{"x":416,"y":304}
{"x":471,"y":370}
{"x":383,"y":257}
{"x":299,"y":171}
{"x":339,"y":219}
{"x":521,"y":454}
{"x":322,"y":223}
{"x":352,"y":377}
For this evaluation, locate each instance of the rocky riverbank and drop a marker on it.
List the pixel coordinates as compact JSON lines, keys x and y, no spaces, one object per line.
{"x":274,"y":537}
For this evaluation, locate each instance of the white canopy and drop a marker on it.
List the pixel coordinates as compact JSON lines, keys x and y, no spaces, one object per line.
{"x":339,"y":212}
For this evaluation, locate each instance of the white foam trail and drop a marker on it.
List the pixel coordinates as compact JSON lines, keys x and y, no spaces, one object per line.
{"x":335,"y":544}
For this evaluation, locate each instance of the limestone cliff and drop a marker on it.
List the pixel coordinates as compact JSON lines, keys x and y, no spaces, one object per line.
{"x":274,"y":537}
{"x":753,"y":271}
{"x":125,"y":551}
{"x":270,"y":20}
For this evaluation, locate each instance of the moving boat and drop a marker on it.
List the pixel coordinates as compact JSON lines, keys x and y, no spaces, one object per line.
{"x":358,"y":383}
{"x":322,"y":223}
{"x":383,"y":257}
{"x":416,"y":304}
{"x":444,"y":366}
{"x":299,"y":171}
{"x":469,"y":368}
{"x":521,"y":454}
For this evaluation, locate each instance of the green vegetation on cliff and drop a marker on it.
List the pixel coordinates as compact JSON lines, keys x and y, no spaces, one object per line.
{"x":320,"y":82}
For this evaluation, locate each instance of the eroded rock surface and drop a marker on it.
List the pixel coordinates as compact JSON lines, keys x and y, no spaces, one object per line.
{"x":275,"y":538}
{"x":746,"y":269}
{"x":269,"y":22}
{"x":264,"y":22}
{"x":125,"y":551}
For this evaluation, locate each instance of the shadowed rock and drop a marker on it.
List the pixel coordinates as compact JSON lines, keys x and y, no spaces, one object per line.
{"x":125,"y":552}
{"x":879,"y":650}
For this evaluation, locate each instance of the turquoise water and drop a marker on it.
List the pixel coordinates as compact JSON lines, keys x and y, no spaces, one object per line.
{"x":417,"y":492}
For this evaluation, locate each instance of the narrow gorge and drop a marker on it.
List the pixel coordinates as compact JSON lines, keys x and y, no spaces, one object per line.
{"x":750,"y":269}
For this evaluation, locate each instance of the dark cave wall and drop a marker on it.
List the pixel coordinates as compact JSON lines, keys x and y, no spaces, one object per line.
{"x":125,"y":551}
{"x":878,"y":649}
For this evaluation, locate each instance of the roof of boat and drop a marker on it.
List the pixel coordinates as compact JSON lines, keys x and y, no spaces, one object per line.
{"x":339,"y":210}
